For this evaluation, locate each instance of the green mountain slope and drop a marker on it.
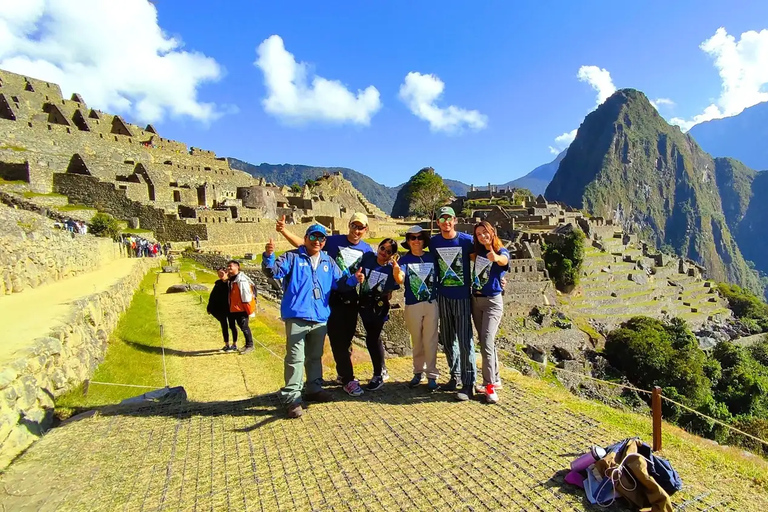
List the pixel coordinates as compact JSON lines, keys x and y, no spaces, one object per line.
{"x":628,"y":163}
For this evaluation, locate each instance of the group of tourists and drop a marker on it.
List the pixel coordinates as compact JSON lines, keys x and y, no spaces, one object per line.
{"x":72,"y":225}
{"x":139,"y":247}
{"x":448,"y":279}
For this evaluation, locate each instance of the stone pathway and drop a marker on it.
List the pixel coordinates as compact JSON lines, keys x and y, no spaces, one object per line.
{"x":34,"y":312}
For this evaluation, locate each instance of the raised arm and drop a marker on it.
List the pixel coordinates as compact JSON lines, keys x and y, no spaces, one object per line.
{"x":276,"y":268}
{"x":397,"y":273}
{"x":294,"y":240}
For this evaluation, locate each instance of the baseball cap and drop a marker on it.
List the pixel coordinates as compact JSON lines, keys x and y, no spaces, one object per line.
{"x":445,"y":210}
{"x":359,"y":217}
{"x":316,"y":228}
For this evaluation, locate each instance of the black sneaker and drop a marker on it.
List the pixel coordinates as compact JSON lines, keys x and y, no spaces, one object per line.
{"x":415,"y":381}
{"x":450,"y":385}
{"x":225,"y":348}
{"x":375,"y":383}
{"x":247,"y":349}
{"x":233,"y":348}
{"x":465,"y":393}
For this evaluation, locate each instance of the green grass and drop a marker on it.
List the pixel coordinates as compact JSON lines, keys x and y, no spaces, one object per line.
{"x":74,"y":207}
{"x":124,"y":364}
{"x":12,"y":147}
{"x":13,"y":182}
{"x":40,"y":194}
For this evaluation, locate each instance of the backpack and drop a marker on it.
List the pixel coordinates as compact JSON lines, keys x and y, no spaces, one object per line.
{"x":661,"y":470}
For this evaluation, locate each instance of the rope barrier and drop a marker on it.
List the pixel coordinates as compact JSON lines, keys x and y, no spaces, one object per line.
{"x":122,"y":385}
{"x":639,"y":390}
{"x":162,"y":334}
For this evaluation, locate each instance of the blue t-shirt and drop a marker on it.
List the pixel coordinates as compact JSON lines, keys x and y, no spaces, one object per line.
{"x":420,"y":277}
{"x":453,"y":270}
{"x":378,"y":278}
{"x":346,"y":254}
{"x":486,"y":276}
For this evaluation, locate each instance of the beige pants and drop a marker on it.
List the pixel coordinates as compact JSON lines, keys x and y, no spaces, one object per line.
{"x":421,"y":322}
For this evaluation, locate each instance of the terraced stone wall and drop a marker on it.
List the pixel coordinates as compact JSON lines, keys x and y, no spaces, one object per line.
{"x":55,"y":364}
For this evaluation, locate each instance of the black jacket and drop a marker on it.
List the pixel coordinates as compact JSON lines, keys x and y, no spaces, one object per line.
{"x":218,"y":301}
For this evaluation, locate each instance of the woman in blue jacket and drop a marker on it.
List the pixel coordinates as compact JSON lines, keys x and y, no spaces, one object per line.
{"x":308,"y":275}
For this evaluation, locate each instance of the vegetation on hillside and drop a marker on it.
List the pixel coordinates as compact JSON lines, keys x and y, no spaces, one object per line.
{"x":424,"y":193}
{"x":752,"y":311}
{"x":563,"y":259}
{"x":105,"y":225}
{"x":730,"y":384}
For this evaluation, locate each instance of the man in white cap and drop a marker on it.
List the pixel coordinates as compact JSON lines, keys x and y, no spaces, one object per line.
{"x":347,"y":251}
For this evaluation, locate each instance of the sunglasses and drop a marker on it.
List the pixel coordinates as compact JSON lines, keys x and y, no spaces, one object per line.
{"x":443,"y":220}
{"x":411,"y":238}
{"x":316,"y":238}
{"x":357,"y":227}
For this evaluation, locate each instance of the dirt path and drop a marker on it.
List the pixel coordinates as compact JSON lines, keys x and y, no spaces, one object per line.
{"x":34,"y":312}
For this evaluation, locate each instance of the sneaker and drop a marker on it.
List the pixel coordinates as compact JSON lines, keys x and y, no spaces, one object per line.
{"x":480,"y":389}
{"x":319,"y":396}
{"x":498,"y":385}
{"x":375,"y":383}
{"x":450,"y":385}
{"x":432,"y":385}
{"x":490,"y":394}
{"x":233,"y":348}
{"x":415,"y":381}
{"x":225,"y":348}
{"x":384,"y":374}
{"x":465,"y":394}
{"x":353,"y":388}
{"x":247,"y":349}
{"x":295,"y":410}
{"x":339,"y":380}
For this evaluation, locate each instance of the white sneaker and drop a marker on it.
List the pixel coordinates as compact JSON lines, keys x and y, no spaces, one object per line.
{"x":490,"y":394}
{"x":479,"y":389}
{"x":498,"y":385}
{"x":384,"y":374}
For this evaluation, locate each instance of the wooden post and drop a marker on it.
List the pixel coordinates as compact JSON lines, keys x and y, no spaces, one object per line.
{"x":656,"y":411}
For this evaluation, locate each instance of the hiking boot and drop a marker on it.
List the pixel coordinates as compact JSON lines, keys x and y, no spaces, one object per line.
{"x":490,"y":394}
{"x":415,"y":381}
{"x":295,"y":410}
{"x":450,"y":385}
{"x":248,"y":349}
{"x":464,"y":394}
{"x":318,"y":396}
{"x":375,"y":383}
{"x":353,"y":388}
{"x":384,"y":375}
{"x":432,"y":384}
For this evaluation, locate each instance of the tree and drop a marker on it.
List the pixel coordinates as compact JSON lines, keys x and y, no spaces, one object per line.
{"x":563,"y":259}
{"x":296,"y":188}
{"x":105,"y":225}
{"x":310,"y":183}
{"x":427,"y":192}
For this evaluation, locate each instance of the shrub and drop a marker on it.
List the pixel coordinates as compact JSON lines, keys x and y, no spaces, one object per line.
{"x":563,"y":259}
{"x":746,"y":306}
{"x":104,"y":225}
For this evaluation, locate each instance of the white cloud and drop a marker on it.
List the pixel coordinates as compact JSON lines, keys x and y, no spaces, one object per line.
{"x":562,"y":142}
{"x":291,"y":98}
{"x":420,"y":92}
{"x":113,"y":53}
{"x":743,"y":69}
{"x":662,"y":102}
{"x":599,"y":79}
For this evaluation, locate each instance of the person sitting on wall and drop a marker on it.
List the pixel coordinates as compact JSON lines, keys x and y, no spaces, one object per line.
{"x":218,"y":307}
{"x":347,"y":251}
{"x":242,"y":301}
{"x":309,"y":275}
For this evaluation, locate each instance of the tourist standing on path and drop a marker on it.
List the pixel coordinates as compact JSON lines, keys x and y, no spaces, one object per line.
{"x":375,"y":294}
{"x":347,"y":251}
{"x":451,"y":250}
{"x":416,"y":269}
{"x":491,"y":260}
{"x":242,"y":301}
{"x":309,"y":275}
{"x":218,"y":307}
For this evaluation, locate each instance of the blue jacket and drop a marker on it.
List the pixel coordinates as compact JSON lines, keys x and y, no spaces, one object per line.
{"x":300,"y":281}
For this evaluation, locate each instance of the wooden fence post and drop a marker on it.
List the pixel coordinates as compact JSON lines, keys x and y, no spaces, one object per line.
{"x":656,"y":411}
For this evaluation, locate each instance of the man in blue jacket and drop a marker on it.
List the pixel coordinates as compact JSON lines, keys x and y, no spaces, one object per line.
{"x":308,"y":275}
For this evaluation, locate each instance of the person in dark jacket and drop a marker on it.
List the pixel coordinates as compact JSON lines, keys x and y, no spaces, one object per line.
{"x":218,"y":307}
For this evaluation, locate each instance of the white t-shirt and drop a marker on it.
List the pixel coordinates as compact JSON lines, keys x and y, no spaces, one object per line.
{"x":315,"y":260}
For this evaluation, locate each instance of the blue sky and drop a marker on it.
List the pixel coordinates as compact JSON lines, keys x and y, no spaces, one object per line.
{"x":510,"y":69}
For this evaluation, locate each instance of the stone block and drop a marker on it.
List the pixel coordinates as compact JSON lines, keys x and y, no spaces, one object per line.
{"x":19,"y":439}
{"x":535,"y":353}
{"x":26,"y":388}
{"x":47,"y":346}
{"x":7,"y":376}
{"x":58,"y":379}
{"x":8,"y":419}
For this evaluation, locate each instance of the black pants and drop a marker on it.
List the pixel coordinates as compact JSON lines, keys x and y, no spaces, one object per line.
{"x":342,"y":324}
{"x":373,"y":321}
{"x":225,"y":331}
{"x":241,"y":319}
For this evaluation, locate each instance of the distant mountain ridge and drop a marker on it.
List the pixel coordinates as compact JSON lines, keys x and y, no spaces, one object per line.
{"x":627,"y":163}
{"x":743,"y":137}
{"x":381,"y":195}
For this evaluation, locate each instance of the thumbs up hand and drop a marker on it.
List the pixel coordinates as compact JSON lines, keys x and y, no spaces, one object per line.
{"x":280,"y":226}
{"x":359,"y":275}
{"x":270,"y":247}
